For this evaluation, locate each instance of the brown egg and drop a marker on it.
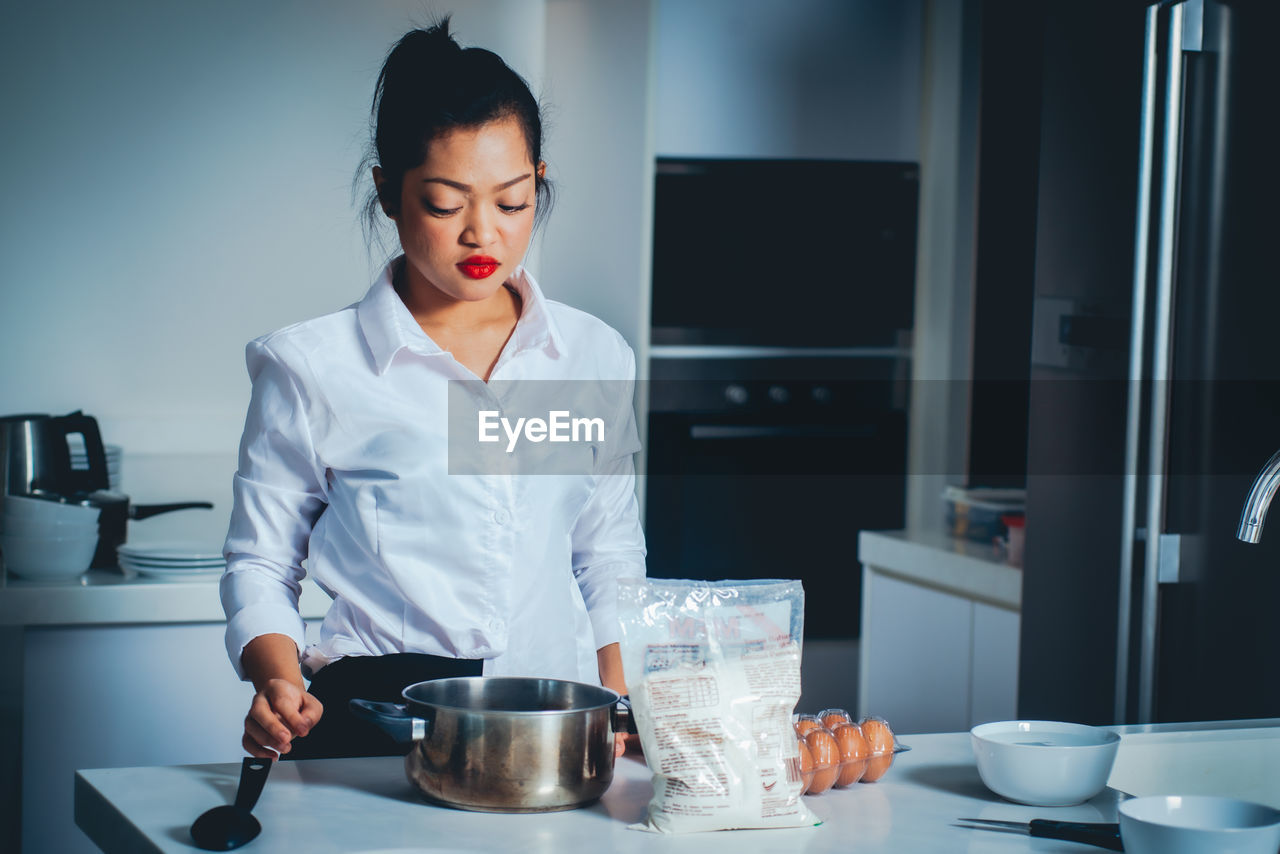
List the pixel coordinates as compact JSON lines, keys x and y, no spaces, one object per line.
{"x":876,"y":767}
{"x":806,"y":766}
{"x":880,"y":742}
{"x":832,"y":718}
{"x":853,"y":754}
{"x":826,"y":759}
{"x":804,"y":723}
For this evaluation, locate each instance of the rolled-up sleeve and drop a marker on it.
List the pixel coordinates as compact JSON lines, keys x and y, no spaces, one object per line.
{"x":278,"y":494}
{"x":608,"y":542}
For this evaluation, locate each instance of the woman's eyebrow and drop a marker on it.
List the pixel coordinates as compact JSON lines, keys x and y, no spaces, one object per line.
{"x":466,"y":188}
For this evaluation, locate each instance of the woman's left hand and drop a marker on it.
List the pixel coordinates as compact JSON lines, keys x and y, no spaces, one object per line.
{"x":609,"y":659}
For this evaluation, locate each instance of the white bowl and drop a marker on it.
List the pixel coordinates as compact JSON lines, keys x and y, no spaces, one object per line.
{"x":1044,"y":763}
{"x":23,"y":508}
{"x":80,"y":526}
{"x":47,"y":558}
{"x":1198,"y":824}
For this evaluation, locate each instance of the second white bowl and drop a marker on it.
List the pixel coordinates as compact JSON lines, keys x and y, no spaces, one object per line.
{"x":1198,"y":824}
{"x":1044,"y":763}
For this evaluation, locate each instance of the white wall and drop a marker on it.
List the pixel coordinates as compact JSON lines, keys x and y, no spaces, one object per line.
{"x":805,"y":78}
{"x":177,"y":181}
{"x":599,"y":152}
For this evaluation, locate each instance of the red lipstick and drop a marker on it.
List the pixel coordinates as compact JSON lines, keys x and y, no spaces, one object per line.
{"x":479,"y":266}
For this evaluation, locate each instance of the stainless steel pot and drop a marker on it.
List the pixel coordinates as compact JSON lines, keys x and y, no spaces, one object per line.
{"x":505,"y":744}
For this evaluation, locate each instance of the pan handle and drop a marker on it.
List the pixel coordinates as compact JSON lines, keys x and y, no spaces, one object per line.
{"x":621,"y":717}
{"x":146,"y":511}
{"x":393,"y":719}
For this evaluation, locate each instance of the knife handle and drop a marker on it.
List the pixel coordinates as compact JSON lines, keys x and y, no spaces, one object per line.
{"x":1102,"y":835}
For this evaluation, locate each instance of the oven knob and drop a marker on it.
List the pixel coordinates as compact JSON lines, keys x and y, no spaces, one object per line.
{"x":779,"y":394}
{"x":735,"y":394}
{"x":821,"y":394}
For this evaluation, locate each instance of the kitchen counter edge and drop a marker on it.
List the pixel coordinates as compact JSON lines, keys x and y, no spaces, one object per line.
{"x":106,"y":597}
{"x":970,"y":569}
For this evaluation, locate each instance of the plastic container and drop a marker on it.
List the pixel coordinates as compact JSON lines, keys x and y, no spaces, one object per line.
{"x":831,"y":718}
{"x":805,"y":769}
{"x":804,"y":723}
{"x":882,"y":746}
{"x":975,"y":514}
{"x":825,"y":752}
{"x":1013,"y":544}
{"x":854,"y":754}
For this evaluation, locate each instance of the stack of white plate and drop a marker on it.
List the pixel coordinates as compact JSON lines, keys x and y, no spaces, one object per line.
{"x":172,"y":560}
{"x":80,"y":460}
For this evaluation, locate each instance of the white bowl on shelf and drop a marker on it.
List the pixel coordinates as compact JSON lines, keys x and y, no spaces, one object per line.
{"x":1044,"y":763}
{"x":1198,"y":824}
{"x":22,"y":508}
{"x":48,"y":558}
{"x":82,"y":525}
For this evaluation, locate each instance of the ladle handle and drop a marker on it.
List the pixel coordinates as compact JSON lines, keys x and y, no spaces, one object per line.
{"x":253,"y":776}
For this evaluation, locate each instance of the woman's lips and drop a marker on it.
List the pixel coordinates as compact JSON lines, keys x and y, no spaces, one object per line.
{"x":479,"y":266}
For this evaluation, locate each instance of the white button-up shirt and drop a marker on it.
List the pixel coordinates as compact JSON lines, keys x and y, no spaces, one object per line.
{"x":345,"y":464}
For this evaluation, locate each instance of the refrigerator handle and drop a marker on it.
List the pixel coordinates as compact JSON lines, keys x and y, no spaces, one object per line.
{"x":1137,"y":348}
{"x":1161,"y":363}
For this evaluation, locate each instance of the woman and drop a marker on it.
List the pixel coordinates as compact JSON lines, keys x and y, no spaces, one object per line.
{"x":345,"y":462}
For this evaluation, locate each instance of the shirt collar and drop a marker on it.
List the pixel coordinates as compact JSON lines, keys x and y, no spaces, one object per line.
{"x":388,"y":327}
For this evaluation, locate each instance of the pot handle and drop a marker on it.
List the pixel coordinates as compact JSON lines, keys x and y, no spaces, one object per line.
{"x":393,"y":719}
{"x":621,"y":718}
{"x":146,"y":511}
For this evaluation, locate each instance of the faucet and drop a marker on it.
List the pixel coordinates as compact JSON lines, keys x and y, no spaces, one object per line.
{"x":1259,"y":500}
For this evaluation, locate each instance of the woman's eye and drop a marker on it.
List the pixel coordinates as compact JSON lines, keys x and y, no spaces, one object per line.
{"x":513,"y":208}
{"x":435,"y":211}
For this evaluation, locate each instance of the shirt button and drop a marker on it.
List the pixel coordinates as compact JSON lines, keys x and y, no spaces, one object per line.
{"x":501,"y":517}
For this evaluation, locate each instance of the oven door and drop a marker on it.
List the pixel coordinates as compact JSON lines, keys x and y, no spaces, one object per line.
{"x":781,"y":494}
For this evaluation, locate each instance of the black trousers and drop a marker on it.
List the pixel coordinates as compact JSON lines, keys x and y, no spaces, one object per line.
{"x":368,"y":677}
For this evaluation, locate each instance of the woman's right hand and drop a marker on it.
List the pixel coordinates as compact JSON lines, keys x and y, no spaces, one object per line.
{"x":280,"y":712}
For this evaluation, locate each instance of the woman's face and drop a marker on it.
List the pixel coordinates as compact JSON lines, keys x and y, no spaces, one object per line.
{"x":466,"y":214}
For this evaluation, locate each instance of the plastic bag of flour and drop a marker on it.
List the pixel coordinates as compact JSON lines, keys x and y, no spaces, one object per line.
{"x":713,"y":668}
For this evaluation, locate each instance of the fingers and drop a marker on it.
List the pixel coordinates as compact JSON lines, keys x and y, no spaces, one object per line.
{"x":257,"y":750}
{"x":265,"y":727}
{"x":619,"y":744}
{"x":297,"y":710}
{"x":266,"y":731}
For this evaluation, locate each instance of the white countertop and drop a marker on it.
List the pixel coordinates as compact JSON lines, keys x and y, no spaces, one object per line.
{"x":936,"y":559}
{"x":366,"y":805}
{"x":108,"y":597}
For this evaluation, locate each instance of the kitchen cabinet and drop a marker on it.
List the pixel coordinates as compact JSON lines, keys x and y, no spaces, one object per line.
{"x":940,"y":623}
{"x":113,"y":672}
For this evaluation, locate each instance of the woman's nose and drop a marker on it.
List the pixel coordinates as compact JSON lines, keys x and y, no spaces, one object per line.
{"x":479,"y":228}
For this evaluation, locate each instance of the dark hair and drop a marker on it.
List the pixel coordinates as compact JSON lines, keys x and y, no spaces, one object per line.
{"x":429,"y":85}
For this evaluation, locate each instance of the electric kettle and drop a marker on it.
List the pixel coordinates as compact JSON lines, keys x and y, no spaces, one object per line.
{"x":35,"y":457}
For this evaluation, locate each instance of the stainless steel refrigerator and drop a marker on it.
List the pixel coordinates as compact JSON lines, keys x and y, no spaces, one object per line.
{"x":1155,"y":378}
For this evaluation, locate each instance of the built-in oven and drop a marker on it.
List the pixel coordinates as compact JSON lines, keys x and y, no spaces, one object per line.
{"x":767,"y":466}
{"x":782,"y":308}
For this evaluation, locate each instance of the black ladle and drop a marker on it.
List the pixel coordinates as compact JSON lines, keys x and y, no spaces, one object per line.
{"x":232,"y":825}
